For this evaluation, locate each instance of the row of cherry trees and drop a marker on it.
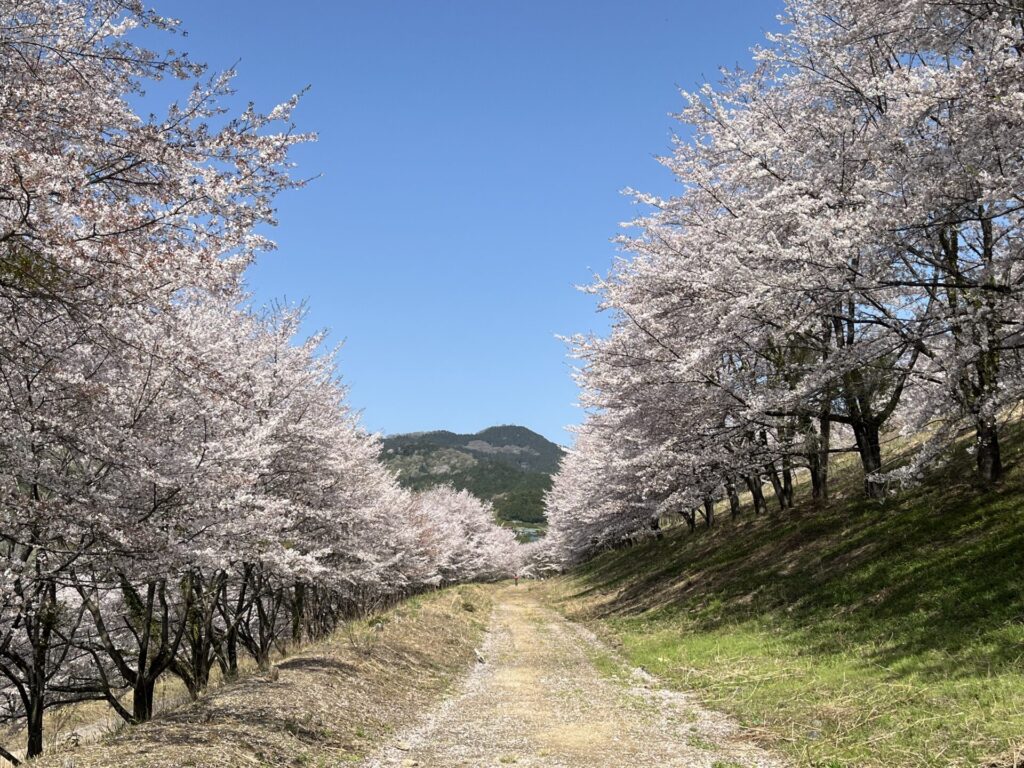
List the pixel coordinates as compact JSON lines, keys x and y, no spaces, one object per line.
{"x":845,"y":260}
{"x":182,"y":482}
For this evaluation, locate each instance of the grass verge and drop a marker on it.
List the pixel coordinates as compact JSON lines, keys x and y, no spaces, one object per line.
{"x":865,"y":634}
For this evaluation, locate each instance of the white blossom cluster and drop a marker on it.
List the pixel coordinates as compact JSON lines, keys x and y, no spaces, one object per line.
{"x":844,"y":260}
{"x":181,"y":479}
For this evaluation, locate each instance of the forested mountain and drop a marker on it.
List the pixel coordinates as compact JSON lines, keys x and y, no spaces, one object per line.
{"x":508,"y":465}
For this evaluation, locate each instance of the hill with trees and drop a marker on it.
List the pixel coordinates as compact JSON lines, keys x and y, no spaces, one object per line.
{"x":509,"y":466}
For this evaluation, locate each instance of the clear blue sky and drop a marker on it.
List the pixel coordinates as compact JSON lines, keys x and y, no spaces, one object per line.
{"x":472,"y":154}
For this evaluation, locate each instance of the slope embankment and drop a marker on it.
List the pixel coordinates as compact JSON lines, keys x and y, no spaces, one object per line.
{"x":329,"y":704}
{"x":861,"y":634}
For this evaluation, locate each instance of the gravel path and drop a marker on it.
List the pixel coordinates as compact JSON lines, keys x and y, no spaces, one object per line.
{"x":548,"y":693}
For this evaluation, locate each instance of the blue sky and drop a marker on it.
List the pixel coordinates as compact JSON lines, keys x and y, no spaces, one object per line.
{"x":471,"y":158}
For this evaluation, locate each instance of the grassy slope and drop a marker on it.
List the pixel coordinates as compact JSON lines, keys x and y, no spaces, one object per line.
{"x":864,"y":635}
{"x":329,"y":704}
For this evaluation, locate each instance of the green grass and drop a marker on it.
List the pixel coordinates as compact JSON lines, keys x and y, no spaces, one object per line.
{"x":607,"y":665}
{"x":865,"y":634}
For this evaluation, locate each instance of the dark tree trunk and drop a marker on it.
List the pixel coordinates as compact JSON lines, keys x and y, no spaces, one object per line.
{"x":27,"y":664}
{"x":787,"y":481}
{"x":817,"y":463}
{"x":203,"y":637}
{"x":691,"y":520}
{"x":231,"y":646}
{"x":821,"y":457}
{"x":709,"y":511}
{"x":869,"y":447}
{"x":233,"y":612}
{"x":40,"y":632}
{"x":773,"y":477}
{"x":34,"y":715}
{"x":258,"y":631}
{"x":754,"y":484}
{"x":982,"y":334}
{"x":817,"y":477}
{"x":151,"y":621}
{"x":142,"y":698}
{"x":298,"y":611}
{"x":734,"y":498}
{"x":990,"y":463}
{"x":772,"y":472}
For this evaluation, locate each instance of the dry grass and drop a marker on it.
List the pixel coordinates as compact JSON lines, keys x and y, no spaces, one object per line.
{"x":327,"y":705}
{"x":66,"y":728}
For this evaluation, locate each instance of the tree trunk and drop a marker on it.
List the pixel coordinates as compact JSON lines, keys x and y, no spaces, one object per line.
{"x":231,"y":637}
{"x":202,"y":635}
{"x":734,"y":499}
{"x":990,"y":463}
{"x":773,"y":477}
{"x":258,"y":632}
{"x":787,"y":480}
{"x":298,"y":611}
{"x":824,"y":453}
{"x":869,"y":447}
{"x":232,"y":653}
{"x":817,"y":484}
{"x":34,"y":719}
{"x":754,"y":484}
{"x":709,"y":511}
{"x":142,"y":699}
{"x":691,"y":520}
{"x":988,"y":364}
{"x":40,"y":631}
{"x":149,"y":626}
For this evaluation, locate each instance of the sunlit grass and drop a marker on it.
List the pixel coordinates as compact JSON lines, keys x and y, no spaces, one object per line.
{"x":866,"y":634}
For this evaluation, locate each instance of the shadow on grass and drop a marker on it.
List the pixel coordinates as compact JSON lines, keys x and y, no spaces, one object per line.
{"x":318,"y":664}
{"x":927,"y":583}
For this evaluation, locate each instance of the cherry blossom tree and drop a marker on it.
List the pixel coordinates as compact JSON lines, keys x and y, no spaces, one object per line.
{"x":843,"y":261}
{"x":182,"y":476}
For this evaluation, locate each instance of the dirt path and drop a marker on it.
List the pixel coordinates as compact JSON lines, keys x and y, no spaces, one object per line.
{"x":548,"y":693}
